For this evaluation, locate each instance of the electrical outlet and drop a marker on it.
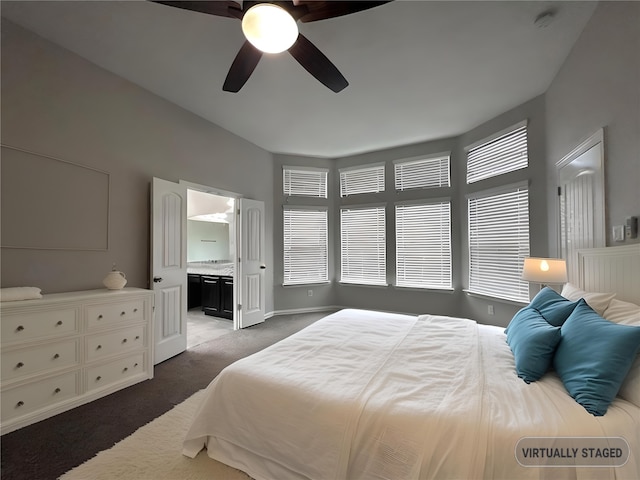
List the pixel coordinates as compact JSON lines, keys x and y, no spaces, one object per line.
{"x":490,"y":310}
{"x":309,"y":293}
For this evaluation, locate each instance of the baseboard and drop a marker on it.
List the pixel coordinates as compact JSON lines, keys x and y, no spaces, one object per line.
{"x":294,"y":311}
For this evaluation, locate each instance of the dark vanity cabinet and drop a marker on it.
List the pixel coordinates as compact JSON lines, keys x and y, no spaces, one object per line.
{"x":194,"y":291}
{"x":217,"y":295}
{"x":226,"y":296}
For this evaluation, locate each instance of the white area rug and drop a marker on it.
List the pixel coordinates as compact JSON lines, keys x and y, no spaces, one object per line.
{"x":154,"y":452}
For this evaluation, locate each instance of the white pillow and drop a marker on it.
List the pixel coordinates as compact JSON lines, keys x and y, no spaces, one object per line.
{"x":598,"y":301}
{"x":627,"y":313}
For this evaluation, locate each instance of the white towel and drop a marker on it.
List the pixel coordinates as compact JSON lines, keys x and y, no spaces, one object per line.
{"x":19,"y":293}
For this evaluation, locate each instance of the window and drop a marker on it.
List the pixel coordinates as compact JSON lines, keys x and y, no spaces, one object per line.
{"x":362,"y":245}
{"x":369,"y":179}
{"x":504,"y":152}
{"x":422,"y":173}
{"x":423,"y":245}
{"x":305,"y":246}
{"x":499,"y":242}
{"x":305,"y":182}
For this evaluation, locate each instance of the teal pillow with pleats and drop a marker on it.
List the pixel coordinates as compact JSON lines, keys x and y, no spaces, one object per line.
{"x":533,"y":342}
{"x":594,"y":356}
{"x":553,"y":306}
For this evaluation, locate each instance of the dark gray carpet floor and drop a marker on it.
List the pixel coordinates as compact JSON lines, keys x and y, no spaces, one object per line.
{"x":48,"y":449}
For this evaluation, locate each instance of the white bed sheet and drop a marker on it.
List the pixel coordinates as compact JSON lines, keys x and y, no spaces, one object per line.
{"x":371,"y":395}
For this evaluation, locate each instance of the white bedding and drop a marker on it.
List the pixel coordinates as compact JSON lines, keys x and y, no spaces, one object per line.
{"x":370,"y":395}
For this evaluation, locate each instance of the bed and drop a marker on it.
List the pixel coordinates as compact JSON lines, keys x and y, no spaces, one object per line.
{"x":371,"y":395}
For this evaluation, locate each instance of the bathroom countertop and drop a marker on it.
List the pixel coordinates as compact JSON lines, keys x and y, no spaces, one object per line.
{"x":205,"y":268}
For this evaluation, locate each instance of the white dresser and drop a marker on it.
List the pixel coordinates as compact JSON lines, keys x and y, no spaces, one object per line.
{"x":67,"y":349}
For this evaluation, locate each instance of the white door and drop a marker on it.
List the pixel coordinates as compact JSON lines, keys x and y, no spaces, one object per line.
{"x":251,"y":267}
{"x":581,"y":201}
{"x":169,"y":267}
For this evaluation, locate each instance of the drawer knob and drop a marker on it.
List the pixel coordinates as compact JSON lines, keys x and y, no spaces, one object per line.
{"x":57,"y":390}
{"x":124,"y":340}
{"x":19,"y":365}
{"x":100,"y":317}
{"x":98,"y":378}
{"x":59,"y":323}
{"x":122,"y":314}
{"x":125,"y":369}
{"x":98,"y":347}
{"x":56,"y":356}
{"x":19,"y":404}
{"x":137,"y":337}
{"x":19,"y":328}
{"x":135,"y":365}
{"x":135,"y":310}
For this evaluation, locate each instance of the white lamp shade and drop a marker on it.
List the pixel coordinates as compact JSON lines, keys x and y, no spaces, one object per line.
{"x":269,"y":28}
{"x":544,"y":270}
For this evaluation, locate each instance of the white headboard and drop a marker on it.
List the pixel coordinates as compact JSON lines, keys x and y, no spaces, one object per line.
{"x":611,"y":269}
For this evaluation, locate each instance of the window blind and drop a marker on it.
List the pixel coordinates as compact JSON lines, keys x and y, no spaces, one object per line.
{"x":498,"y":243}
{"x":305,"y":246}
{"x":506,"y":153}
{"x":305,"y":182}
{"x":422,"y":173}
{"x":363,"y":245}
{"x":362,"y":180}
{"x":423,"y":245}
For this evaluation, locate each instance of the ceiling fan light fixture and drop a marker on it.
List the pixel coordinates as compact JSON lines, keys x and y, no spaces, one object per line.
{"x":269,"y":28}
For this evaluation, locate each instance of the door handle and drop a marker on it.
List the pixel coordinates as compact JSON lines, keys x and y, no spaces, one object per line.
{"x":157,"y":279}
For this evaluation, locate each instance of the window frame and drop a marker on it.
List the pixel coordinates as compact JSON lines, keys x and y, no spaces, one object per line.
{"x":309,"y":248}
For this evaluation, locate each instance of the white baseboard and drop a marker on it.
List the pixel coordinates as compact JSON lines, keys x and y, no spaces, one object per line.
{"x":295,"y":311}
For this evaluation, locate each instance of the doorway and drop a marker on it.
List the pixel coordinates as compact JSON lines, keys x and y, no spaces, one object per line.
{"x":211,"y":254}
{"x":245,"y":304}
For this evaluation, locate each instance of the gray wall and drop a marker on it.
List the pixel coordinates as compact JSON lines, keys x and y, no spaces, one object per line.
{"x":599,"y":86}
{"x":58,"y":104}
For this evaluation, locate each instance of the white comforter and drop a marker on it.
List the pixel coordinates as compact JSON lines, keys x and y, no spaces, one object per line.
{"x":370,"y":395}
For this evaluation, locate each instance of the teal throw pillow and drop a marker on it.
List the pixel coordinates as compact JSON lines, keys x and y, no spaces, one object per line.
{"x":553,"y":306}
{"x":594,"y":356}
{"x":533,"y":342}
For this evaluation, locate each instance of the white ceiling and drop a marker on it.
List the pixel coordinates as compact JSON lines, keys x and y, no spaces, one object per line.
{"x":418,"y":70}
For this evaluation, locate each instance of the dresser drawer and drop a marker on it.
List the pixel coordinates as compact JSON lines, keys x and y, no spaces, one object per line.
{"x":27,"y":326}
{"x":34,"y":396}
{"x":117,"y":371}
{"x":37,"y":359}
{"x":113,"y":343}
{"x":104,"y":315}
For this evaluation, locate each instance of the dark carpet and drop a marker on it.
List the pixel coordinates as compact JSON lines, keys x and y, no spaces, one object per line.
{"x":48,"y":449}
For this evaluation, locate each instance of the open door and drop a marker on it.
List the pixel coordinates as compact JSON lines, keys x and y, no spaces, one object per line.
{"x":251,"y":267}
{"x":169,"y":267}
{"x":581,"y":201}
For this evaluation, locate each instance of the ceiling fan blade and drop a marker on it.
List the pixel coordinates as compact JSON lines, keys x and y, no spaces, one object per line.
{"x":317,"y":64}
{"x":316,"y":10}
{"x":242,"y":67}
{"x":219,"y":8}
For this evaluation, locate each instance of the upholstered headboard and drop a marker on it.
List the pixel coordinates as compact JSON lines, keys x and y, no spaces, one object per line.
{"x":611,"y":269}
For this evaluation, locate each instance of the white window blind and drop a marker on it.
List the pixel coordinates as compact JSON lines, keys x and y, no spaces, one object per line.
{"x":363,"y":246}
{"x":305,"y":182}
{"x":369,"y":179}
{"x":422,"y":173}
{"x":305,"y":246}
{"x":506,"y":153}
{"x":498,"y":243}
{"x":423,"y":245}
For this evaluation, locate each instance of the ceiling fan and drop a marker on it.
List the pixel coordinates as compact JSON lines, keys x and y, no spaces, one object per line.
{"x":271,"y":27}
